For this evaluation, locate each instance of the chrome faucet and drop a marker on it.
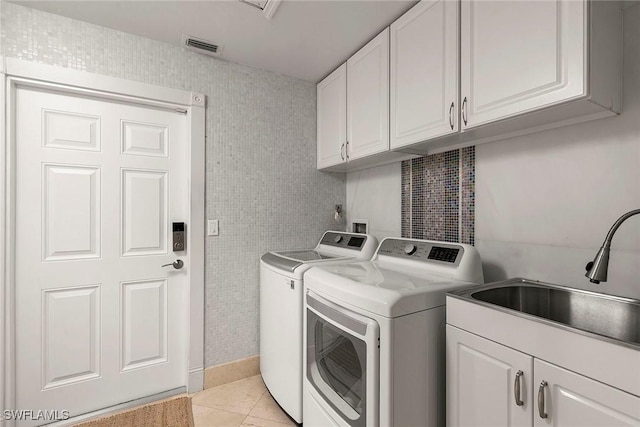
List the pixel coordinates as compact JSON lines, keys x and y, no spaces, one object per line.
{"x":597,"y":269}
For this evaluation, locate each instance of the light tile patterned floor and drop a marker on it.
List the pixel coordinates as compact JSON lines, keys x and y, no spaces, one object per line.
{"x":241,"y":403}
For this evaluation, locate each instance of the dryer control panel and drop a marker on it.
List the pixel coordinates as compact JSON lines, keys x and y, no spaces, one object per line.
{"x":344,"y":240}
{"x":421,"y":250}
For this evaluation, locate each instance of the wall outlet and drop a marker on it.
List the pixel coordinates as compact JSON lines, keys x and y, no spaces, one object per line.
{"x":360,"y":226}
{"x":212,"y":227}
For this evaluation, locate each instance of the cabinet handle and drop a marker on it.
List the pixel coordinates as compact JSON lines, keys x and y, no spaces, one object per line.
{"x":543,"y":414}
{"x":517,"y":388}
{"x":346,"y":150}
{"x":342,"y":151}
{"x":464,"y":110}
{"x":451,"y":115}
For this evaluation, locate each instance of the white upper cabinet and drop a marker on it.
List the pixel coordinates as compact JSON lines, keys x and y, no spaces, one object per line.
{"x":449,"y":74}
{"x":519,"y":56}
{"x":424,"y":73}
{"x":332,"y":118}
{"x":368,"y":99}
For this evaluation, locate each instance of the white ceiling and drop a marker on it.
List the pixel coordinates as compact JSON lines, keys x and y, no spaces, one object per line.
{"x":306,"y":39}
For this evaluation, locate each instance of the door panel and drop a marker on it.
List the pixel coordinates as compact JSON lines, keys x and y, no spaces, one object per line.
{"x":144,"y":323}
{"x":144,"y":139}
{"x":368,"y":98}
{"x":332,"y":118}
{"x":98,"y":184}
{"x":70,"y":339}
{"x":480,"y":382}
{"x":70,"y":130}
{"x":572,"y":400}
{"x":424,"y":73}
{"x":71,"y":212}
{"x":520,"y":56}
{"x":144,"y":207}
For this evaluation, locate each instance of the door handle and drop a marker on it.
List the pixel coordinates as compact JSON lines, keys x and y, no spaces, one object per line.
{"x":517,"y":387}
{"x":177,"y":264}
{"x":464,"y":110}
{"x":541,"y":410}
{"x":451,"y":115}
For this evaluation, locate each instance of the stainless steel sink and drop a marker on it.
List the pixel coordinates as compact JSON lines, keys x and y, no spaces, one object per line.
{"x":606,"y":316}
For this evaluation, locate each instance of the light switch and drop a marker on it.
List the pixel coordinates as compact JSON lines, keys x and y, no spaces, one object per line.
{"x":212,"y":227}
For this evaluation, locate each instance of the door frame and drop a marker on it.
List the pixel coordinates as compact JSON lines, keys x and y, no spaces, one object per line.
{"x":16,"y":72}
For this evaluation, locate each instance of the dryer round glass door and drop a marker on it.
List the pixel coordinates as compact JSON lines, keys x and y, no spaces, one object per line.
{"x":342,"y":359}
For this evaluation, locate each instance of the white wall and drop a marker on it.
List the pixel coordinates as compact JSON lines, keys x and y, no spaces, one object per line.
{"x":374,"y":195}
{"x":545,"y":202}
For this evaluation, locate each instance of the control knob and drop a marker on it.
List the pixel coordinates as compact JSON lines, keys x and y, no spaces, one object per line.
{"x":410,"y":249}
{"x":337,"y":239}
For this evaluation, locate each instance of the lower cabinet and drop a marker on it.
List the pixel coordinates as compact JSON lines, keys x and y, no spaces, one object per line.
{"x":564,"y":398}
{"x":489,"y":384}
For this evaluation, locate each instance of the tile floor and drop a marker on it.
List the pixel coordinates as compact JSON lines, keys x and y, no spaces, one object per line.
{"x":246,"y":402}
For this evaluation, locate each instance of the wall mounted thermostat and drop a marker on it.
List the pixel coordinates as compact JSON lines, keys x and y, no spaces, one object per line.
{"x":179,"y":243}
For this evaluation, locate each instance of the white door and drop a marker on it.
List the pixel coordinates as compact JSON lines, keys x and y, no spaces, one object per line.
{"x":483,"y":382}
{"x":98,"y":185}
{"x":567,"y":399}
{"x":332,"y":118}
{"x":518,"y":56}
{"x":424,"y":73}
{"x":368,"y":99}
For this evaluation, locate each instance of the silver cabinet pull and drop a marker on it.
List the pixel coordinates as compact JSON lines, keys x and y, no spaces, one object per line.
{"x":342,"y":151}
{"x":346,"y":150}
{"x":451,"y":115}
{"x":517,"y":388}
{"x":177,"y":264}
{"x":543,"y":414}
{"x":464,"y":110}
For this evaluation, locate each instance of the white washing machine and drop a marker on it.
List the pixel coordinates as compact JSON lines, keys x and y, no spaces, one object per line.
{"x":375,"y":334}
{"x":282,"y":310}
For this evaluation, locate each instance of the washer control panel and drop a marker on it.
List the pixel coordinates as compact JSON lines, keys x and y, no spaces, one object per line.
{"x":344,"y":240}
{"x":420,"y":250}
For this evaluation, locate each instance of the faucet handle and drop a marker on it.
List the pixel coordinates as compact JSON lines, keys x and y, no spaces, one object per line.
{"x":589,"y":266}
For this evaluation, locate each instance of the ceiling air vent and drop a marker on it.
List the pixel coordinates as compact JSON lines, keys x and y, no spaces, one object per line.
{"x":201,"y":46}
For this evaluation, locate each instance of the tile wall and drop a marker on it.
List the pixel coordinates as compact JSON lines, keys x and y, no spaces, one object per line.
{"x":262,"y":182}
{"x":438,"y":196}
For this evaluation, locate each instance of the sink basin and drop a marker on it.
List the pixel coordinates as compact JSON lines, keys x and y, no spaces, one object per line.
{"x":607,"y":316}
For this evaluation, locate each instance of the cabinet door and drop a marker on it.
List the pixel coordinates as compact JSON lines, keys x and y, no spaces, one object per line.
{"x":424,"y":73}
{"x":571,"y":400}
{"x":332,"y":118}
{"x":368,"y":99}
{"x":518,"y":56}
{"x":481,"y":382}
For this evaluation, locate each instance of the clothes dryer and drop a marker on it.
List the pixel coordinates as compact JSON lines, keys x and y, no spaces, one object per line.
{"x":375,"y":334}
{"x":282,"y":308}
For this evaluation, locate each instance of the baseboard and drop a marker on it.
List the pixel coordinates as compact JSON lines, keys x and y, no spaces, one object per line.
{"x":231,"y":371}
{"x":196,"y":380}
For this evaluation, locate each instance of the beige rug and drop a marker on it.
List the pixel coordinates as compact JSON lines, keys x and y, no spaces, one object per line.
{"x":173,"y":412}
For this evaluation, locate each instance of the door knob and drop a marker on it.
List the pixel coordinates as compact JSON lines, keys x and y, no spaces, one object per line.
{"x":177,"y":264}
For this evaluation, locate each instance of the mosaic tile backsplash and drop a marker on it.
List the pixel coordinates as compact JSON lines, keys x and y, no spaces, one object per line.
{"x":438,"y":196}
{"x":262,"y":182}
